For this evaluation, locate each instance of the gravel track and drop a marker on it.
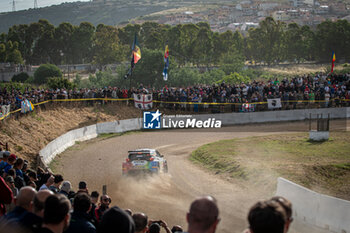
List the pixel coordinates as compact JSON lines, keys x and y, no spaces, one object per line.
{"x":168,"y":196}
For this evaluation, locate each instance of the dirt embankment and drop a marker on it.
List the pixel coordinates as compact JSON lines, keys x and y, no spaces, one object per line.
{"x":27,"y":135}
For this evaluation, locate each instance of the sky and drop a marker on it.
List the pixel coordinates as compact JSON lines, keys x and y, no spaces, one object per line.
{"x":6,"y":5}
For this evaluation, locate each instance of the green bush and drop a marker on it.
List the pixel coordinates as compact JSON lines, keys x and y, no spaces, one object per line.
{"x":21,"y":77}
{"x":46,"y":71}
{"x":55,"y":83}
{"x":234,"y":78}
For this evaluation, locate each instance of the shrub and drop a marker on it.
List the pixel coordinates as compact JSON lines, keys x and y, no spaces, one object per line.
{"x":55,"y":83}
{"x":46,"y":71}
{"x":21,"y":77}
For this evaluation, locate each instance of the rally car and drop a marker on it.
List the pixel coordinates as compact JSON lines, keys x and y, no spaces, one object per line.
{"x":144,"y":161}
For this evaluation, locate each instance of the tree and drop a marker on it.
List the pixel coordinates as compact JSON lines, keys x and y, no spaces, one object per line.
{"x":46,"y":71}
{"x":63,"y":43}
{"x":82,"y":43}
{"x":232,"y":62}
{"x":234,"y":78}
{"x":107,"y":48}
{"x":13,"y":55}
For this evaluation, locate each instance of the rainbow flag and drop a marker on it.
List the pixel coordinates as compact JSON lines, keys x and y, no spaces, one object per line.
{"x":333,"y":60}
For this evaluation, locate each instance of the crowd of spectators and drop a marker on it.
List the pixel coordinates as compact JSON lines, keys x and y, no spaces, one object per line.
{"x":330,"y":90}
{"x":45,"y":203}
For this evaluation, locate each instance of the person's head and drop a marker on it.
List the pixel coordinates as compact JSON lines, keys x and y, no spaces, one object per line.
{"x":116,"y":220}
{"x":267,"y":216}
{"x":94,"y":197}
{"x":82,"y":185}
{"x":56,"y":212}
{"x":82,"y":203}
{"x":141,"y":221}
{"x":58,"y":179}
{"x":203,"y":215}
{"x":50,"y":181}
{"x":10,"y":181}
{"x":105,"y":200}
{"x":287,"y":206}
{"x":32,"y":176}
{"x":154,"y":228}
{"x":12,"y":173}
{"x":25,"y":198}
{"x":39,"y":201}
{"x":11,"y":159}
{"x":66,"y":186}
{"x":19,"y":164}
{"x":176,"y":228}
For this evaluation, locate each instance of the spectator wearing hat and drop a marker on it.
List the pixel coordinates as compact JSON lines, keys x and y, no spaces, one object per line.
{"x":55,"y":187}
{"x":116,"y":220}
{"x":6,"y":196}
{"x":80,"y":218}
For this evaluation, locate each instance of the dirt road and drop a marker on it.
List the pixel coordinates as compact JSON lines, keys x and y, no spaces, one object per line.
{"x":168,"y":196}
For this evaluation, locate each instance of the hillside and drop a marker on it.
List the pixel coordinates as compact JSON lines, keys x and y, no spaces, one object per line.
{"x":28,"y":135}
{"x":96,"y":12}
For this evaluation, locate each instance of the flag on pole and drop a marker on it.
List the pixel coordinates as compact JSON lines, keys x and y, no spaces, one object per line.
{"x":135,"y":56}
{"x":166,"y":65}
{"x":333,"y":60}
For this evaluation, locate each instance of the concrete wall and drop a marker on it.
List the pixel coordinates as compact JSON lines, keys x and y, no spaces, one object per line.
{"x":66,"y":140}
{"x":276,"y":116}
{"x":316,"y":209}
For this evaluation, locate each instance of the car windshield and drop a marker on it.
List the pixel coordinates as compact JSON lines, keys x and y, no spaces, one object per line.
{"x":139,"y":156}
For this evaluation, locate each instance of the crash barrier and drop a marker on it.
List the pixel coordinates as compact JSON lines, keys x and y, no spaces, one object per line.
{"x":60,"y":144}
{"x":207,"y":106}
{"x":319,"y":210}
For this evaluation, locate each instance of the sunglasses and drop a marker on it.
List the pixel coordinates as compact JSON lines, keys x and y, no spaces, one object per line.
{"x":107,"y":199}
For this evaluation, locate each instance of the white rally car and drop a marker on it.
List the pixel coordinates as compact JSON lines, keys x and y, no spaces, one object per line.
{"x":146,"y":161}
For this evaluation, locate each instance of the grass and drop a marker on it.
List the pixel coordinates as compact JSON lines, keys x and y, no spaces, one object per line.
{"x":321,"y":166}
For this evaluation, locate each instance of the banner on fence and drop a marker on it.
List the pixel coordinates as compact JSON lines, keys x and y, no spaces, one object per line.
{"x":5,"y":110}
{"x":143,"y":101}
{"x":26,"y":106}
{"x":274,"y":103}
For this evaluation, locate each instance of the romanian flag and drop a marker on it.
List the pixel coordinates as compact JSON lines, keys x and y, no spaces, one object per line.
{"x":166,"y":66}
{"x":333,"y":60}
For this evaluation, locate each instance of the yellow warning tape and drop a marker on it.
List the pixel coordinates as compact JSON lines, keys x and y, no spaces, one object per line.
{"x":171,"y":102}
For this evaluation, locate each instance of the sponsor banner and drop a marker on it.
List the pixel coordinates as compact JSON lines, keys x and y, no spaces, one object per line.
{"x":143,"y":101}
{"x":155,"y":120}
{"x":274,"y":103}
